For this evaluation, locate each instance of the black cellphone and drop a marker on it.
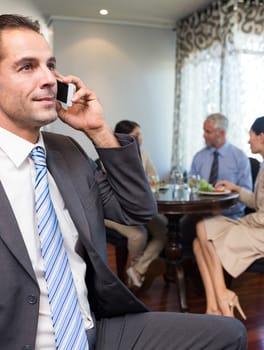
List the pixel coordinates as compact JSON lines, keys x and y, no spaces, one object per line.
{"x":65,"y":92}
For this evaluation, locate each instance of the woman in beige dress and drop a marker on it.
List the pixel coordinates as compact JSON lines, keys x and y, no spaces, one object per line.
{"x":223,"y":243}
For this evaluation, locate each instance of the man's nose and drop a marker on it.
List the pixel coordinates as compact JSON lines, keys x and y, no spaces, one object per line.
{"x":48,"y":77}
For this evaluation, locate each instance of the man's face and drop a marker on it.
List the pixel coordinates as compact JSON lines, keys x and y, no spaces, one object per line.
{"x":211,"y":134}
{"x":27,"y":82}
{"x":255,"y":142}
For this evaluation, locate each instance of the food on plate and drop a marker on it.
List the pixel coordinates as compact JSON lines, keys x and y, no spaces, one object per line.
{"x":219,"y":189}
{"x":163,"y":185}
{"x":205,"y":186}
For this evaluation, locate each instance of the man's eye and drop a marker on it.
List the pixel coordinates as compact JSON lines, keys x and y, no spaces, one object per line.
{"x":26,"y":66}
{"x":51,"y":66}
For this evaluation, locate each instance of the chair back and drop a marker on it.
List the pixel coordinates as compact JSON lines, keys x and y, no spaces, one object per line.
{"x":258,"y":265}
{"x":255,"y":166}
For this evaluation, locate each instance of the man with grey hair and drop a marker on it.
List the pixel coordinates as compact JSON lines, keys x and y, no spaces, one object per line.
{"x":218,"y":160}
{"x":233,"y":164}
{"x":219,"y":120}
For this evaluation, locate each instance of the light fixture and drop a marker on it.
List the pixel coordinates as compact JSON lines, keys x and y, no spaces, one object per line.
{"x":103,"y":12}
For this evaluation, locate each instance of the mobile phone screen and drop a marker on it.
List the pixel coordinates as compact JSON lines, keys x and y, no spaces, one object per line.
{"x":62,"y":91}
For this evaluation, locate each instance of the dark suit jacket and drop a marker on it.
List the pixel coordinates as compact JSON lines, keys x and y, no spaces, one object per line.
{"x":90,"y":196}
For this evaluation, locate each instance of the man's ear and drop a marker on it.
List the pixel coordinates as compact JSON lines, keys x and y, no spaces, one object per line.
{"x":222,"y":133}
{"x":262,"y":137}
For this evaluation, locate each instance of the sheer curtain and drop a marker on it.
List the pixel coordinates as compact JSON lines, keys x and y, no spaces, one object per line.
{"x":219,"y":68}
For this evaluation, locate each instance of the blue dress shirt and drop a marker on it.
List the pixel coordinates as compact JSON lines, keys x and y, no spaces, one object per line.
{"x":234,"y":166}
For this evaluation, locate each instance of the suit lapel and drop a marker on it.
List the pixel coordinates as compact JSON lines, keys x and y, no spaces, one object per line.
{"x":11,"y":235}
{"x":9,"y":230}
{"x":60,"y":173}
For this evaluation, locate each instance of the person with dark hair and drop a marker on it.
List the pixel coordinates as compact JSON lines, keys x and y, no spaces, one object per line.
{"x":145,"y":242}
{"x":132,"y":128}
{"x":57,"y":291}
{"x":223,"y":243}
{"x":126,"y":126}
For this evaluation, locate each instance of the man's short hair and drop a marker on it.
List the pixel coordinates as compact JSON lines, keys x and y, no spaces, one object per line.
{"x":10,"y":21}
{"x":219,"y":120}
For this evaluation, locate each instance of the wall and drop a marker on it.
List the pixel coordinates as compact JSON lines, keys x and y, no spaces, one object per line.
{"x":131,"y":69}
{"x":25,"y":8}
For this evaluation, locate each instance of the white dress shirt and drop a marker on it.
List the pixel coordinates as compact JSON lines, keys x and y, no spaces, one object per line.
{"x":17,"y":174}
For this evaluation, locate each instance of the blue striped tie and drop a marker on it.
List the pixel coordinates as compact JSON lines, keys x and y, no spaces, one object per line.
{"x":67,"y":321}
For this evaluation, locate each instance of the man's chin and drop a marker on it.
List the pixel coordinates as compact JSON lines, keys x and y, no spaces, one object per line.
{"x":47,"y":120}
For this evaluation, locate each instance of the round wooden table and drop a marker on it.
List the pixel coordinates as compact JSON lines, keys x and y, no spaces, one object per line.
{"x":174,"y":203}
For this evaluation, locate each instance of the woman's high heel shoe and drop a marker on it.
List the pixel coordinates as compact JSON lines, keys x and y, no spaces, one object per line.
{"x":134,"y":278}
{"x":234,"y":303}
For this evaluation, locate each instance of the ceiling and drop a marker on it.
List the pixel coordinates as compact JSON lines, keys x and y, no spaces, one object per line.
{"x":148,"y":12}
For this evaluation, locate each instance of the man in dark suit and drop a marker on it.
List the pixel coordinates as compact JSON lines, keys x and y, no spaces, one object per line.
{"x":79,"y":197}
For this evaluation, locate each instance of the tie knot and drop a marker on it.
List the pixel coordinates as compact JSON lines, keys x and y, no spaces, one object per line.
{"x":216,"y":153}
{"x":39,"y":157}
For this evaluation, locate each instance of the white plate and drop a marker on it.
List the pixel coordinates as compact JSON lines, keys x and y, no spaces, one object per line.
{"x":215,"y":193}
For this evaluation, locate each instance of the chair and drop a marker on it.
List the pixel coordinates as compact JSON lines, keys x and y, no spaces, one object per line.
{"x":121,"y":251}
{"x":255,"y":166}
{"x":258,"y":265}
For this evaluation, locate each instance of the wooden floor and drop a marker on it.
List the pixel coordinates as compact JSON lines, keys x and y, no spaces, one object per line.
{"x":249,"y":287}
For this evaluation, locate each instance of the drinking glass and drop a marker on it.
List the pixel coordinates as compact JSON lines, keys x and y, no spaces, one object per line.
{"x":194,"y":183}
{"x":176,"y":178}
{"x":154,"y":182}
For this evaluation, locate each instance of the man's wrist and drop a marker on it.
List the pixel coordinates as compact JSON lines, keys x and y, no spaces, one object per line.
{"x":103,"y":137}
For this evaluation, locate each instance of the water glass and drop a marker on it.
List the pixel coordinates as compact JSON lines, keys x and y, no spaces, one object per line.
{"x":194,"y":183}
{"x":177,"y":179}
{"x":154,"y":182}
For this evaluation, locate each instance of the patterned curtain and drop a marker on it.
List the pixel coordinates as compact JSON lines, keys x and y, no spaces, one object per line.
{"x":219,"y":68}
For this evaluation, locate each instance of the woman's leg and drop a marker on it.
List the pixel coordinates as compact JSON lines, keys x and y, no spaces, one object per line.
{"x":136,"y":242}
{"x":157,"y":229}
{"x":223,"y":295}
{"x":136,"y":238}
{"x":211,"y":302}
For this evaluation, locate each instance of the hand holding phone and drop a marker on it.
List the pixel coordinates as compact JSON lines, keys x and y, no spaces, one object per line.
{"x":65,"y":93}
{"x":86,"y":115}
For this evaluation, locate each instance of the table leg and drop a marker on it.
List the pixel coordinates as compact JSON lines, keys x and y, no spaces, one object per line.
{"x":173,"y":256}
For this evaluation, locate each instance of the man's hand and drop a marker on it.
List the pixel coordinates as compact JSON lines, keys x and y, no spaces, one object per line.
{"x":86,"y":114}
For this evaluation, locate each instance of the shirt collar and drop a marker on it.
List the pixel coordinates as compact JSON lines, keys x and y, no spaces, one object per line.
{"x":17,"y":148}
{"x":222,"y":150}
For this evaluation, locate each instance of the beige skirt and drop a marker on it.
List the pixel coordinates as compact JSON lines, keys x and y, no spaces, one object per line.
{"x":236,"y":244}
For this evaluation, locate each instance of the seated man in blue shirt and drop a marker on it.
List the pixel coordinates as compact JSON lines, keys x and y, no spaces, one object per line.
{"x":233,"y":165}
